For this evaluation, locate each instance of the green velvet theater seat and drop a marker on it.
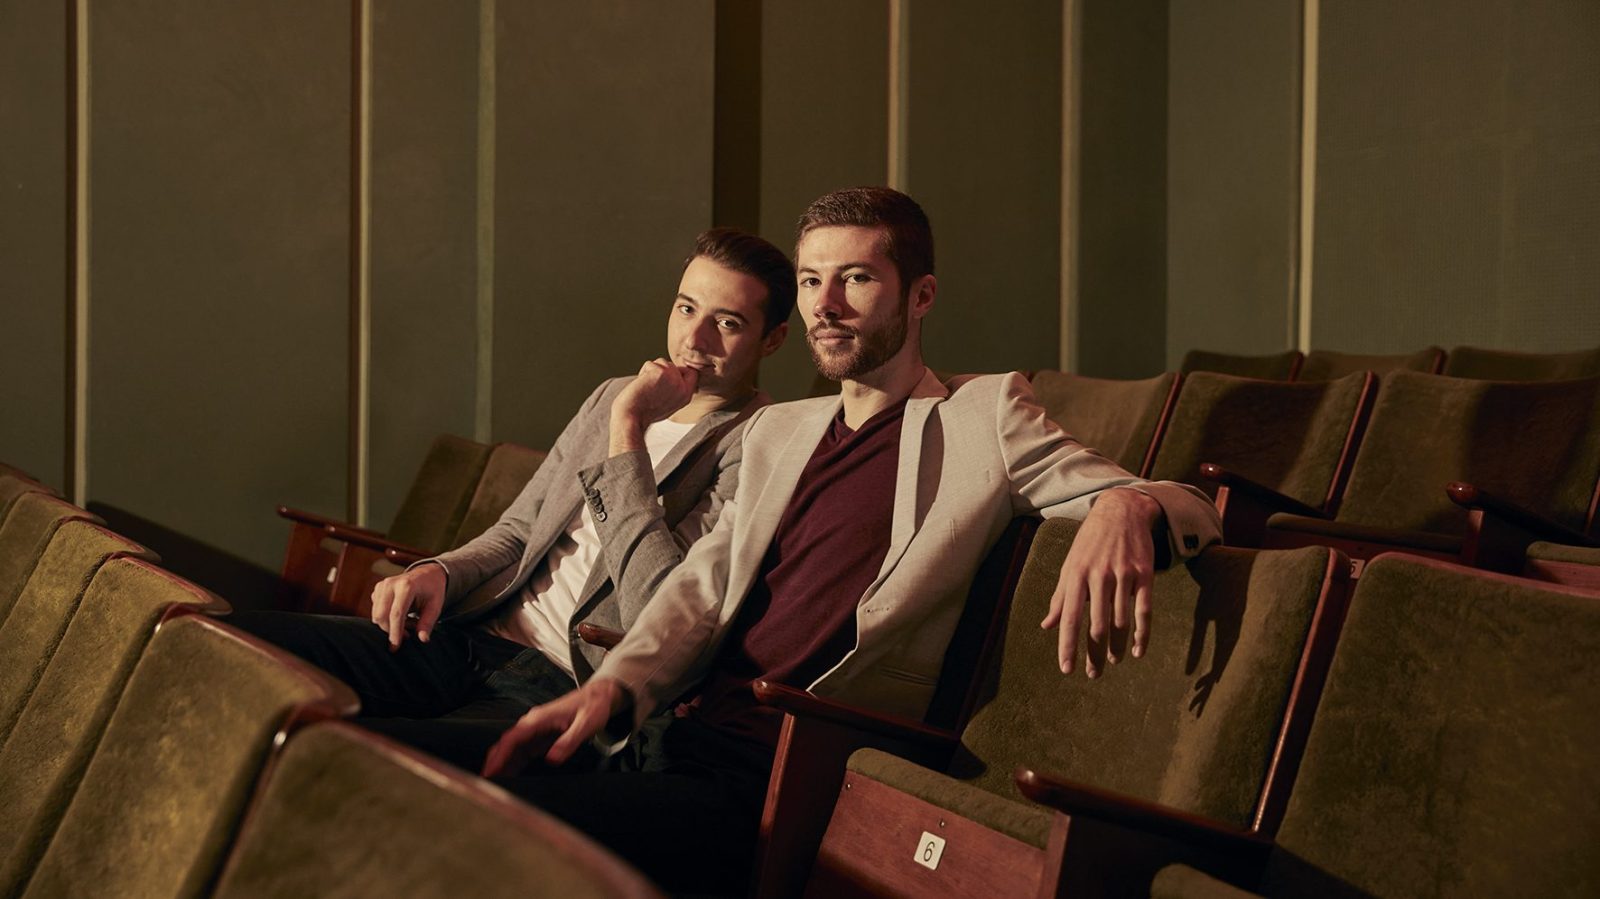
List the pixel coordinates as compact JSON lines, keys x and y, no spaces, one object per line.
{"x":1325,"y":365}
{"x":161,"y":798}
{"x":1121,"y":419}
{"x":1562,"y":563}
{"x":1453,"y":753}
{"x":363,"y":562}
{"x":1272,"y":366}
{"x":24,"y":534}
{"x":347,"y":812}
{"x":1504,"y":365}
{"x":1285,"y":439}
{"x":43,"y":759}
{"x":428,"y":520}
{"x":30,"y":634}
{"x":1209,"y":721}
{"x":1529,"y":451}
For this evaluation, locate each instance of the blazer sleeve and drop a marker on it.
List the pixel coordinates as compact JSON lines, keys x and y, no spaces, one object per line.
{"x":1055,"y":476}
{"x":502,"y":545}
{"x":637,"y":546}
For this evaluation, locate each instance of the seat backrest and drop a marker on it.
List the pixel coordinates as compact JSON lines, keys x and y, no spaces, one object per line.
{"x":1453,"y":752}
{"x":161,"y":798}
{"x":1194,"y":723}
{"x":1325,"y":365}
{"x":508,"y":470}
{"x":44,"y":757}
{"x":343,"y":805}
{"x":1292,"y":436}
{"x":1121,"y":419}
{"x":13,"y":484}
{"x":24,"y":534}
{"x":430,"y":515}
{"x":1504,"y":365}
{"x":30,"y":634}
{"x":1535,"y":443}
{"x":1272,"y":366}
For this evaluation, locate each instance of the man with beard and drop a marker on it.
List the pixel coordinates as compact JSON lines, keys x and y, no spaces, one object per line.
{"x":842,"y":562}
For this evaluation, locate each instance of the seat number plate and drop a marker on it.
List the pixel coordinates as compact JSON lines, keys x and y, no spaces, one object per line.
{"x":929,"y":850}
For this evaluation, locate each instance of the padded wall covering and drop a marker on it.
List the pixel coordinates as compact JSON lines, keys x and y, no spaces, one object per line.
{"x":1453,"y":750}
{"x":1457,"y":175}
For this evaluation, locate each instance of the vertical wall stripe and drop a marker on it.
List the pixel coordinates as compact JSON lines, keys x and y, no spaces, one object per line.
{"x":899,"y":90}
{"x":1300,"y":308}
{"x":1071,"y":75}
{"x":483,"y":409}
{"x":361,"y":265}
{"x":77,"y":472}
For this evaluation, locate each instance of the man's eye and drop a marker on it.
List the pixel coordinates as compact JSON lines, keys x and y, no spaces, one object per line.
{"x":857,"y":278}
{"x":727,"y":324}
{"x":685,"y":309}
{"x":809,"y":282}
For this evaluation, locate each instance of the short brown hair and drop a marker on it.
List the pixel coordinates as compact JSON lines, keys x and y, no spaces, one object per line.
{"x":750,"y":255}
{"x":909,"y":239}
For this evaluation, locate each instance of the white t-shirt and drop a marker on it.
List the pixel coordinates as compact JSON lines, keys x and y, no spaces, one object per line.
{"x":551,"y":594}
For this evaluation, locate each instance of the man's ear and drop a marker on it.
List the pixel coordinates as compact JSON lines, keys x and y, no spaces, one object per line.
{"x":774,"y":339}
{"x":921,"y":296}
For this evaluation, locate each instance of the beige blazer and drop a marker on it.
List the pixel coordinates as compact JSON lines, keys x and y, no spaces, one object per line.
{"x":972,"y":457}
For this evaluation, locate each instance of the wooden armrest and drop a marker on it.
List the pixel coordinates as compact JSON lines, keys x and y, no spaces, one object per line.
{"x":404,"y":557}
{"x":595,"y":635}
{"x":801,"y":704}
{"x":1080,"y":800}
{"x":1470,"y":497}
{"x":371,"y":540}
{"x":301,"y":516}
{"x":1257,"y":492}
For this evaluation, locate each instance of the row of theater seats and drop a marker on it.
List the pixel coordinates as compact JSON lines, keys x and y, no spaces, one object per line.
{"x":1502,"y":475}
{"x":1462,"y":362}
{"x":148,"y":749}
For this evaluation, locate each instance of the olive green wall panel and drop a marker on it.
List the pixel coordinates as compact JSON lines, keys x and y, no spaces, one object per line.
{"x":424,"y":265}
{"x":1233,"y":164}
{"x":219,"y":189}
{"x":1458,"y":175}
{"x":33,"y":239}
{"x":824,"y":125}
{"x":1121,"y":244}
{"x":603,"y":177}
{"x":983,"y":157}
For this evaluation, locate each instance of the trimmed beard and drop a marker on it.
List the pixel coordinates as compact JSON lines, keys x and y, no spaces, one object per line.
{"x":872,"y":348}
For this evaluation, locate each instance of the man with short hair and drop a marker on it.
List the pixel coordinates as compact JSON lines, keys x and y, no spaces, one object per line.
{"x":841,"y":564}
{"x":626,"y":488}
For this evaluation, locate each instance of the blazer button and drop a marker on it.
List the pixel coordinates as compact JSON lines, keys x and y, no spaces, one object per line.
{"x":600,"y":515}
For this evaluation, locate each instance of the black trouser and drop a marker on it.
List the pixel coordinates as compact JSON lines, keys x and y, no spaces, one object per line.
{"x":682,"y":801}
{"x":452,"y":696}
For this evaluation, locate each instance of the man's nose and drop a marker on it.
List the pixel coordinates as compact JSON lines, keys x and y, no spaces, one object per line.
{"x":828,"y":302}
{"x":703,"y":336}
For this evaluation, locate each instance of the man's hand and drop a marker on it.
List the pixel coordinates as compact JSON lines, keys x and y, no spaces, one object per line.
{"x":422,"y":589}
{"x":660,"y":390}
{"x":1109,"y":568}
{"x":555,"y":729}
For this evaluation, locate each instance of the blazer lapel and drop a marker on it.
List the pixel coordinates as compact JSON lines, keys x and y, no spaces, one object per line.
{"x":928,"y":394}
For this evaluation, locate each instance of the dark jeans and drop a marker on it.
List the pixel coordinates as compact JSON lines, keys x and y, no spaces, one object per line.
{"x":452,"y":696}
{"x":681,"y":801}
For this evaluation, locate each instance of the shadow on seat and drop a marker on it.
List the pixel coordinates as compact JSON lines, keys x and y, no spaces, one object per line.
{"x":1210,"y":720}
{"x":1452,"y":752}
{"x":343,"y":805}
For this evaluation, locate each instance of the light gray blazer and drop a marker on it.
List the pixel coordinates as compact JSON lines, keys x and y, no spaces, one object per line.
{"x":641,"y":537}
{"x":971,"y":458}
